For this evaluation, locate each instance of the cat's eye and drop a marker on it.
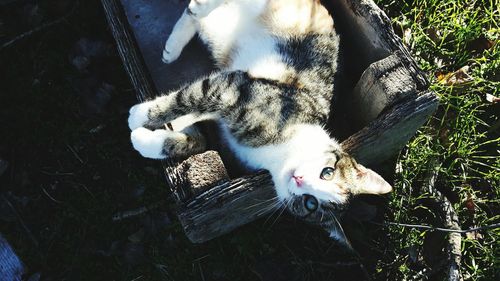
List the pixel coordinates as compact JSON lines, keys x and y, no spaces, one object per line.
{"x":327,"y":173}
{"x":310,"y":203}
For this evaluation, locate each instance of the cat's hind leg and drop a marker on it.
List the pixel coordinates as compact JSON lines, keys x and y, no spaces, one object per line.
{"x":161,"y":143}
{"x":183,"y":31}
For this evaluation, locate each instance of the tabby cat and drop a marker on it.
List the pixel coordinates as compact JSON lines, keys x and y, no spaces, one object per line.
{"x":271,"y":97}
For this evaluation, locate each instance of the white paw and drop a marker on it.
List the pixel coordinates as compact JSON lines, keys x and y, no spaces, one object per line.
{"x":201,"y":8}
{"x":138,"y":115}
{"x":149,"y":143}
{"x":171,"y":52}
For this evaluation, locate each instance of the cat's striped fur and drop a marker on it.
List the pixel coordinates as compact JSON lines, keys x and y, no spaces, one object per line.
{"x":271,"y":97}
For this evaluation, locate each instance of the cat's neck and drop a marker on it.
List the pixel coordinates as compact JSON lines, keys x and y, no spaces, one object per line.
{"x":305,"y":141}
{"x":309,"y":143}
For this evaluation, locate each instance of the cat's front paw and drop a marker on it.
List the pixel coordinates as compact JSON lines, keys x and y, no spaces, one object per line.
{"x":138,"y":115}
{"x":171,"y":52}
{"x":201,"y":8}
{"x":149,"y":143}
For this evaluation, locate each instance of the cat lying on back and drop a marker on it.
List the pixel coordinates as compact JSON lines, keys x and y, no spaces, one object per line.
{"x":271,"y":97}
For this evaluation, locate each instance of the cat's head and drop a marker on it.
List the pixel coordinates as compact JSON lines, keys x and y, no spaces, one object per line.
{"x":333,"y":177}
{"x":319,"y":189}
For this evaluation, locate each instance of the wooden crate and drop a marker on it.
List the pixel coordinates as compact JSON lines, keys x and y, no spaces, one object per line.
{"x":381,"y":84}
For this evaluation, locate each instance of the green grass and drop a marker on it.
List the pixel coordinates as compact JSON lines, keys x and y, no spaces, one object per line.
{"x":463,"y":135}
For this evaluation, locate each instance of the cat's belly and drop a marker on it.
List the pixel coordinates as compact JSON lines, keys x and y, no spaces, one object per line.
{"x":225,"y":25}
{"x":258,"y":56}
{"x":239,"y":41}
{"x":266,"y":157}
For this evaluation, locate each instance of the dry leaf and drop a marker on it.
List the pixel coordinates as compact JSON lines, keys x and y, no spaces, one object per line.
{"x":473,"y":235}
{"x":407,"y":37}
{"x":457,"y":78}
{"x":469,"y":204}
{"x":480,"y":44}
{"x":491,"y":98}
{"x":434,"y":34}
{"x":438,"y":62}
{"x":444,"y":136}
{"x":398,"y":28}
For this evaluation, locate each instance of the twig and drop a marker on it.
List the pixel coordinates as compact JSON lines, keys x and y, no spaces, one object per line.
{"x":50,"y":197}
{"x":39,"y":28}
{"x":136,"y":212}
{"x":74,"y":153}
{"x":86,"y":189}
{"x":432,"y":228}
{"x":201,"y":272}
{"x":450,"y":221}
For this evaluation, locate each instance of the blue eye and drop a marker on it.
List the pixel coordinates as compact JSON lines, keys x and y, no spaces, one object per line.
{"x":327,"y":173}
{"x":310,"y":203}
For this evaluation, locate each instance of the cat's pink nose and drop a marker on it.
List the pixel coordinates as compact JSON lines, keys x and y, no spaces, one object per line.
{"x":299,"y":180}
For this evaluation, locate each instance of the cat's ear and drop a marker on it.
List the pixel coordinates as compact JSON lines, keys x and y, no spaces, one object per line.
{"x":370,"y":182}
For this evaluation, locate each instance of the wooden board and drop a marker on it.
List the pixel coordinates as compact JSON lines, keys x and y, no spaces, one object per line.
{"x":381,"y":80}
{"x":151,"y":23}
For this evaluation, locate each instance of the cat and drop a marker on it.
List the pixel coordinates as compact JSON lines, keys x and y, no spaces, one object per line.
{"x":271,"y":97}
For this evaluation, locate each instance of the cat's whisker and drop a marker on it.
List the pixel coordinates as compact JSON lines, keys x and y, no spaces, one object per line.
{"x":339,"y":230}
{"x":261,"y":203}
{"x":322,"y":216}
{"x":283,"y":208}
{"x":277,"y":207}
{"x":265,"y":210}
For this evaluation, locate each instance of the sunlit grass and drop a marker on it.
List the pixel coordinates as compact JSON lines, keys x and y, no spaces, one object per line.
{"x":463,"y":135}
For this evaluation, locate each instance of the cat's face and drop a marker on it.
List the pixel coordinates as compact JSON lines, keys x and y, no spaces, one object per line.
{"x":318,"y":189}
{"x":334,"y":177}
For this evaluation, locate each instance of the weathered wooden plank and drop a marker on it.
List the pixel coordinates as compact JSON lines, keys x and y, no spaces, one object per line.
{"x":226,"y":206}
{"x":381,"y":84}
{"x":387,"y":135}
{"x":195,"y":174}
{"x":128,"y":50}
{"x":371,"y":28}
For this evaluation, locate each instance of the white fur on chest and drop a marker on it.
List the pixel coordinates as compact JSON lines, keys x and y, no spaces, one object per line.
{"x":234,"y":28}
